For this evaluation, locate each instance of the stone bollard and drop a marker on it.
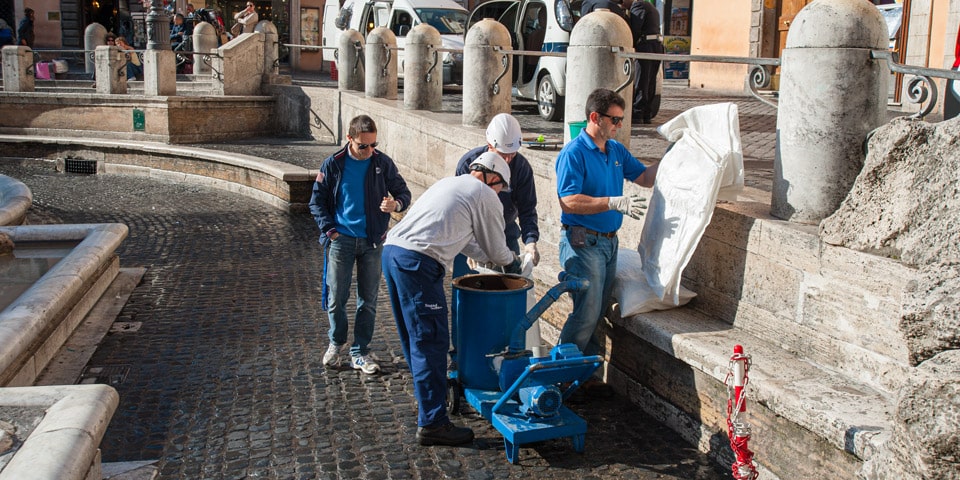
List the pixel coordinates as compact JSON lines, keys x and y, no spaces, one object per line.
{"x":422,"y":71}
{"x":18,"y":69}
{"x":831,"y":96}
{"x":111,"y":70}
{"x":593,"y":64}
{"x":381,"y":62}
{"x":484,"y":94}
{"x":159,"y":73}
{"x":94,"y":36}
{"x":271,"y":46}
{"x":204,"y":40}
{"x":350,"y":61}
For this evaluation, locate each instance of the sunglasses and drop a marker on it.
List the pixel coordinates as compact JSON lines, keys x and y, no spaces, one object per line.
{"x":364,"y":146}
{"x":615,"y":120}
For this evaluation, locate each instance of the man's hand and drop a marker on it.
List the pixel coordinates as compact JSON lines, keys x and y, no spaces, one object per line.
{"x":630,"y":205}
{"x":515,"y":267}
{"x":531,"y":248}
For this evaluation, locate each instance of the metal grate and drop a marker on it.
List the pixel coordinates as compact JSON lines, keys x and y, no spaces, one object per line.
{"x":77,"y":165}
{"x":112,"y":375}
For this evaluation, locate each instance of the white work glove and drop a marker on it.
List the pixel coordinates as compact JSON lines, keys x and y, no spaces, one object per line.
{"x":526,"y":266}
{"x":629,"y":205}
{"x":531,"y":248}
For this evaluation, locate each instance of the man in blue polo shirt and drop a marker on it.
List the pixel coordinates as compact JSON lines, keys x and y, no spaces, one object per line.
{"x":590,"y":174}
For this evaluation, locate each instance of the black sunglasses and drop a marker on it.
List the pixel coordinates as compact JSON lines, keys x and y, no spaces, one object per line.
{"x":615,"y":120}
{"x":364,"y":146}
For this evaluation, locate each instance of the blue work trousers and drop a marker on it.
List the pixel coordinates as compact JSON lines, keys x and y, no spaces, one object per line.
{"x":342,"y":254}
{"x":415,"y":283}
{"x":597,"y":262}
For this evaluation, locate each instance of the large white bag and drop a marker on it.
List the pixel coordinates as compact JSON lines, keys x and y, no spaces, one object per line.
{"x":684,"y":196}
{"x":634,"y":293}
{"x":719,"y":127}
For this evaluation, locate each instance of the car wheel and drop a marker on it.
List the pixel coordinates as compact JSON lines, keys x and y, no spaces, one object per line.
{"x":549,"y":104}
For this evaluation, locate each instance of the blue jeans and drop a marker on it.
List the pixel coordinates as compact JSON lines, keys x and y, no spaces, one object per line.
{"x":419,"y":301}
{"x":596,"y":262}
{"x":342,"y":254}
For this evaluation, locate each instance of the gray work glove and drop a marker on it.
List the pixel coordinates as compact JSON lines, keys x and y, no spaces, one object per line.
{"x":632,"y":206}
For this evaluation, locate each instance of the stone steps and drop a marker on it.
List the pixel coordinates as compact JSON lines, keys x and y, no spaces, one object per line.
{"x":849,"y":415}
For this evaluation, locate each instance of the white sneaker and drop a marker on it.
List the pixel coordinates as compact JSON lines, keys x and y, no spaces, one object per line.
{"x":365,"y":364}
{"x":332,"y":357}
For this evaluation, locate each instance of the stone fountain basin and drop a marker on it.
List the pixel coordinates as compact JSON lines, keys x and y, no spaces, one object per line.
{"x":36,"y":324}
{"x":64,"y":444}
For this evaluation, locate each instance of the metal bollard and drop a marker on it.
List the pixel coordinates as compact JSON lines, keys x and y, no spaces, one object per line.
{"x":832,"y":94}
{"x":487,"y":73}
{"x":94,"y":36}
{"x":204,"y":40}
{"x":381,"y":62}
{"x":592,"y":63}
{"x":350,"y":61}
{"x":422,"y":70}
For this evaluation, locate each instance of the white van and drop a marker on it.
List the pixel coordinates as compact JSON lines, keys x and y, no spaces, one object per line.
{"x":447,"y":16}
{"x":545,"y":26}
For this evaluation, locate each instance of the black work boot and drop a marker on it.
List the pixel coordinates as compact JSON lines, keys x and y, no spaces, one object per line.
{"x":446,"y":434}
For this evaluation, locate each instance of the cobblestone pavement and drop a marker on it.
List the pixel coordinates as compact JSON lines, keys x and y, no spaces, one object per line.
{"x":224,"y":376}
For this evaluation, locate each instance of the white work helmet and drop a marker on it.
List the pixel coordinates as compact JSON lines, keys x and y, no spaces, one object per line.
{"x":504,"y":134}
{"x":489,"y":162}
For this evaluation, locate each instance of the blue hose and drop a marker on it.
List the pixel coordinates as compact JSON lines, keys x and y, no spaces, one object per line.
{"x":568,"y":283}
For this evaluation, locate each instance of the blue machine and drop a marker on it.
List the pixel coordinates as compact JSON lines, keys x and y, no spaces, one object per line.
{"x":520,"y":394}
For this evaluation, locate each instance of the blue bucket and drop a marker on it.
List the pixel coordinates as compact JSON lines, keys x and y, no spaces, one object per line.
{"x":487,"y":309}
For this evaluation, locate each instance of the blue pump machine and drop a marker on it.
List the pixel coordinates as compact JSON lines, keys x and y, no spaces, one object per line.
{"x":520,"y":394}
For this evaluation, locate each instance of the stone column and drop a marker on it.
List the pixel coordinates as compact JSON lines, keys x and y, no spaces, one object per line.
{"x":160,"y":73}
{"x":422,"y":71}
{"x":831,"y":95}
{"x":484,"y":96}
{"x":94,"y":36}
{"x":204,"y":40}
{"x":350,"y":61}
{"x":111,"y":70}
{"x":381,"y":60}
{"x":18,"y":73}
{"x":271,"y":46}
{"x":592,"y":63}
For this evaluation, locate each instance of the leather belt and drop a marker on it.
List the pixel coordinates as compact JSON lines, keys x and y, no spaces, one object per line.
{"x":593,"y":232}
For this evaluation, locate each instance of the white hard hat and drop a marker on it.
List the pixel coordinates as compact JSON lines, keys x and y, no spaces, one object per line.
{"x":491,"y":162}
{"x":504,"y":134}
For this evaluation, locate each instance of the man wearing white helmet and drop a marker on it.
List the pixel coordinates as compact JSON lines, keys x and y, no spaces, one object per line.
{"x":520,"y":199}
{"x":456,"y":214}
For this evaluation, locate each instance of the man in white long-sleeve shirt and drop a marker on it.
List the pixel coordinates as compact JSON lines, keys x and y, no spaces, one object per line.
{"x":456,"y":214}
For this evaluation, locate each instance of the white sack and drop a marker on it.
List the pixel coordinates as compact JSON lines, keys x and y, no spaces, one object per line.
{"x":634,"y":293}
{"x":719,"y":126}
{"x":684,"y":196}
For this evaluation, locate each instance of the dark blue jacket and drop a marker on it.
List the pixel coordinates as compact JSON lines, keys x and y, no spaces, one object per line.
{"x":520,"y":202}
{"x":382,"y":178}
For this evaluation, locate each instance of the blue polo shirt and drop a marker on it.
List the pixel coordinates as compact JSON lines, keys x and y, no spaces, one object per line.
{"x":582,"y":168}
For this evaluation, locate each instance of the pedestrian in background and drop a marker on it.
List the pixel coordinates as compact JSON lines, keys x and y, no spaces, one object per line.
{"x":590,"y":5}
{"x":460,"y":213}
{"x":247,"y":17}
{"x":355,"y":192}
{"x":590,"y":171}
{"x":519,"y":201}
{"x":25,"y":29}
{"x":645,"y":27}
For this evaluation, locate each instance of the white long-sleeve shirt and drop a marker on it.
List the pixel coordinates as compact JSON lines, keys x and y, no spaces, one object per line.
{"x":456,"y":214}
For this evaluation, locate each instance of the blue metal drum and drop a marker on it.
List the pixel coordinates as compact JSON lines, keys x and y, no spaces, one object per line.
{"x":487,"y":308}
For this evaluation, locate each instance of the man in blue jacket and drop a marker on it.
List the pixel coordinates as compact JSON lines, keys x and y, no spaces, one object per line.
{"x":357,"y":189}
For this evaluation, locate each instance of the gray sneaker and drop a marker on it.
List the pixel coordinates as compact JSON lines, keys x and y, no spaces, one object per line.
{"x":332,"y":357}
{"x":365,"y":364}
